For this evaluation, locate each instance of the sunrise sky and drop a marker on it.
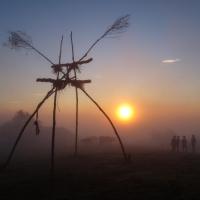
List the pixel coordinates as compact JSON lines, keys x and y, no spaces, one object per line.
{"x":154,"y":66}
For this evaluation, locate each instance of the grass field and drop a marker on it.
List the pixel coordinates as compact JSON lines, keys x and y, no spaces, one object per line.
{"x":150,"y":175}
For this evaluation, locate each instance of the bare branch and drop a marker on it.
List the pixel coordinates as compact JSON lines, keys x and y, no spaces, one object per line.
{"x":111,"y":123}
{"x":76,"y":91}
{"x":118,"y":27}
{"x":72,"y":46}
{"x":60,"y":53}
{"x":54,"y":118}
{"x":49,"y":93}
{"x":69,"y":66}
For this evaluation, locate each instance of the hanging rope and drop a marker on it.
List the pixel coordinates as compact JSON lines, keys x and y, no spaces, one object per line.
{"x":36,"y":123}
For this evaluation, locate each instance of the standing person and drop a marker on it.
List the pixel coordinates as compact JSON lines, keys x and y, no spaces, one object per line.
{"x":193,"y":143}
{"x":177,"y":143}
{"x":184,"y":144}
{"x":173,"y":143}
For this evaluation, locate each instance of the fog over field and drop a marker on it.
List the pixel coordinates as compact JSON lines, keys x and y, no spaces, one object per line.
{"x":33,"y":146}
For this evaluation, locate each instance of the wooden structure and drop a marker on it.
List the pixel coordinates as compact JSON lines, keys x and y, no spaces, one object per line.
{"x":66,"y":75}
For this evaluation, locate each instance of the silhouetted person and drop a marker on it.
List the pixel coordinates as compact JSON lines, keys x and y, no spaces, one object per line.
{"x":193,"y":143}
{"x":184,"y":144}
{"x":177,"y":143}
{"x":173,"y":143}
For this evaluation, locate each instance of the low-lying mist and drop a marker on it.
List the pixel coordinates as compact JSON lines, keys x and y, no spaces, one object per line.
{"x":91,"y":140}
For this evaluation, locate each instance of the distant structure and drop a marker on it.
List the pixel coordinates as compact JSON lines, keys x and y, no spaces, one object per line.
{"x":90,"y":140}
{"x":106,"y":140}
{"x":101,"y":140}
{"x":65,"y":75}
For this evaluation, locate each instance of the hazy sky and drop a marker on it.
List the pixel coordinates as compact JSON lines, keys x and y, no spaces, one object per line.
{"x":154,"y":65}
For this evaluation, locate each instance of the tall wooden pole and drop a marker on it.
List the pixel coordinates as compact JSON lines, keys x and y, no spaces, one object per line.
{"x":110,"y":121}
{"x":54,"y":120}
{"x":25,"y":125}
{"x":76,"y":91}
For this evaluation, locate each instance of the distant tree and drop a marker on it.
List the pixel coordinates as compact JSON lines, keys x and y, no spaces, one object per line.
{"x":20,"y":116}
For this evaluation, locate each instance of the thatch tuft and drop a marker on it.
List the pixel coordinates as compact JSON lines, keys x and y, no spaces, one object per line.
{"x":56,"y":68}
{"x":19,"y":39}
{"x":118,"y":27}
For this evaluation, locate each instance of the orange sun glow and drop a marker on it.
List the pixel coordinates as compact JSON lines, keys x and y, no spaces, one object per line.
{"x":125,"y":112}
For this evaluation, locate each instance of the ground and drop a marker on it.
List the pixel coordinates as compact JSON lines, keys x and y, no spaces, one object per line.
{"x":150,"y":175}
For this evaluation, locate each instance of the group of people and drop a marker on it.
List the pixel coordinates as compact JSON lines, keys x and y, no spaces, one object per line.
{"x":178,"y":144}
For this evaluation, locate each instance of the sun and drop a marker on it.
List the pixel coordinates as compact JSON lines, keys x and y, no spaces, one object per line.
{"x":125,"y":112}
